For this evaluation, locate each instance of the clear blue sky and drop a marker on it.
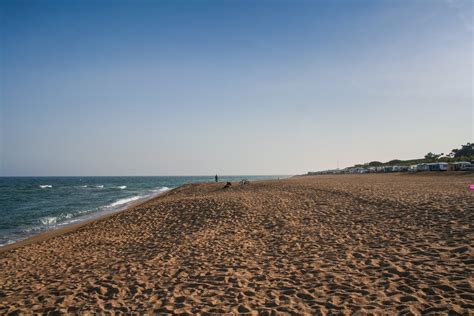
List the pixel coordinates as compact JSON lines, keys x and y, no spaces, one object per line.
{"x":230,"y":87}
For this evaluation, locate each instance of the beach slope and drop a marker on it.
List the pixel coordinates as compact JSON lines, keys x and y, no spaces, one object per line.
{"x":346,"y":243}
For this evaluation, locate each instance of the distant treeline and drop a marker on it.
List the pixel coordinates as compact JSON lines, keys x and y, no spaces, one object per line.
{"x":465,"y":153}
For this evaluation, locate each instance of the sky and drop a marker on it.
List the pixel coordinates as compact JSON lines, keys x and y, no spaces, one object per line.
{"x":230,"y":87}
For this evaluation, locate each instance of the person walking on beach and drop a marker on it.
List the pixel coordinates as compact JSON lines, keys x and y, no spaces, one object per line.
{"x":216,"y":178}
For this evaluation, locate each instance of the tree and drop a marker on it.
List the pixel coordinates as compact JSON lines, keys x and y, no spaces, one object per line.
{"x":375,"y":164}
{"x":464,"y":151}
{"x":432,"y":156}
{"x":394,"y":162}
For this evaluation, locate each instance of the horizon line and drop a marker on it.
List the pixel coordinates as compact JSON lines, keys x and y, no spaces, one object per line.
{"x":78,"y":176}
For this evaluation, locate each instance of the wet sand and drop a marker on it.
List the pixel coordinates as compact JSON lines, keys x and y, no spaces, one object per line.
{"x":341,"y":244}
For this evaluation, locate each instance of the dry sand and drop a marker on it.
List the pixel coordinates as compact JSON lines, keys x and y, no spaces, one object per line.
{"x":341,"y":244}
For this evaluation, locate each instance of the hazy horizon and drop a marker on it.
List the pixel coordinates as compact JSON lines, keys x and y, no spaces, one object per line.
{"x":230,"y":87}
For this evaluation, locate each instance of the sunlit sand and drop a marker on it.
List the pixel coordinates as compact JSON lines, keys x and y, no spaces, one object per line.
{"x":370,"y":243}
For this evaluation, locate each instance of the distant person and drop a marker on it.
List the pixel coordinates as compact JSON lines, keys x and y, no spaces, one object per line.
{"x":216,"y":178}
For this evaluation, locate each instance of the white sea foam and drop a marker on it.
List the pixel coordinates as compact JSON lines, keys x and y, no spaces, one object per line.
{"x":49,"y":220}
{"x":161,"y":189}
{"x":8,"y":242}
{"x":122,"y":187}
{"x":125,"y":200}
{"x":45,"y":186}
{"x":69,"y":222}
{"x":53,"y":220}
{"x":84,"y":211}
{"x":99,"y":186}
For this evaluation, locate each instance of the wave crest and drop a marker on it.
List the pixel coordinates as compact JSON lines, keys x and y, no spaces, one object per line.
{"x":53,"y":220}
{"x":125,"y":201}
{"x":161,"y":189}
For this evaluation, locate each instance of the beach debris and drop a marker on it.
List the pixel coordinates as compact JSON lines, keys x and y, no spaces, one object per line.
{"x":471,"y":187}
{"x":227,"y":185}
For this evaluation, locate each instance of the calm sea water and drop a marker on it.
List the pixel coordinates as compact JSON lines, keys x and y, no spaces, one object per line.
{"x":31,"y":205}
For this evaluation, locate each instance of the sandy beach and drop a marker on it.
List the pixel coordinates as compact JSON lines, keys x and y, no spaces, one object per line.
{"x":375,"y":243}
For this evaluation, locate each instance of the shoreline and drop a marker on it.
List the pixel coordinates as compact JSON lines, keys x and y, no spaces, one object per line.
{"x":72,"y":227}
{"x":32,"y":208}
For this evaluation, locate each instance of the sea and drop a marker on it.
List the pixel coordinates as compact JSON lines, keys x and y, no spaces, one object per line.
{"x":32,"y":205}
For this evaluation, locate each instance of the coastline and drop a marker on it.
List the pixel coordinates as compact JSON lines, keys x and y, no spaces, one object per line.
{"x":72,"y":227}
{"x":371,"y":243}
{"x":35,"y":205}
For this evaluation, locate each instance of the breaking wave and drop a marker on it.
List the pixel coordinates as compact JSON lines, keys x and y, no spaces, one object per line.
{"x":53,"y":220}
{"x":125,"y":200}
{"x":81,"y":211}
{"x":161,"y":189}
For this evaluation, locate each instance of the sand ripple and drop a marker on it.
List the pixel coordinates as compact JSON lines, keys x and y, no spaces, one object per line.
{"x":340,"y":244}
